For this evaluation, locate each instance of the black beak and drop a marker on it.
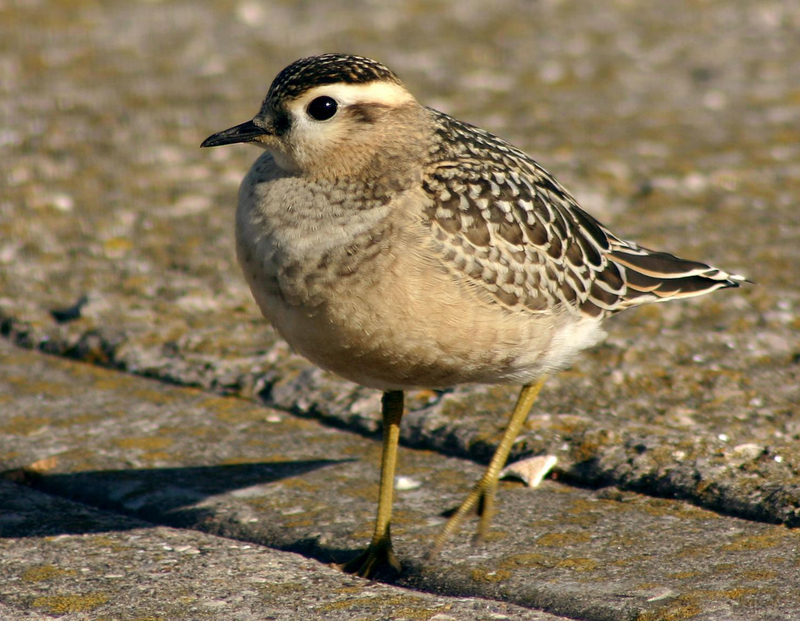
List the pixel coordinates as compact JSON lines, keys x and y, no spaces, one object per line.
{"x":246,"y":132}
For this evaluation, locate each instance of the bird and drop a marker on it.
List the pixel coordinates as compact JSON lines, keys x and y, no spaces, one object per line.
{"x":400,"y":248}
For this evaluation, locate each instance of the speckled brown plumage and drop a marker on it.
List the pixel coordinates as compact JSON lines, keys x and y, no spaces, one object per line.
{"x":507,"y":224}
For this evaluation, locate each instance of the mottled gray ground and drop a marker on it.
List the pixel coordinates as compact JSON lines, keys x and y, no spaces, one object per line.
{"x":677,"y":124}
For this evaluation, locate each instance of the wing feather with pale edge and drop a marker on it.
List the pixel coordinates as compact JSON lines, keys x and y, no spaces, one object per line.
{"x":504,"y":223}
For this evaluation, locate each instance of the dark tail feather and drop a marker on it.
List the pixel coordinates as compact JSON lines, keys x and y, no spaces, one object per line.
{"x":659,"y":276}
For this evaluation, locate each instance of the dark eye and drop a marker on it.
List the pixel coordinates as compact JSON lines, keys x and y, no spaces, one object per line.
{"x":322,"y":108}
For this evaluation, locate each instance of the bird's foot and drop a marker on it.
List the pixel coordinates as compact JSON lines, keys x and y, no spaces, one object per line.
{"x":377,"y":558}
{"x":480,"y":500}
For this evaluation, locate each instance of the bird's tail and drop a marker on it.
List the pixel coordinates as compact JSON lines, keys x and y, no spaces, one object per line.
{"x":653,"y":276}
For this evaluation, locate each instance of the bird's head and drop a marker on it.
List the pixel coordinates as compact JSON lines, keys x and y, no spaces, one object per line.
{"x":335,"y":116}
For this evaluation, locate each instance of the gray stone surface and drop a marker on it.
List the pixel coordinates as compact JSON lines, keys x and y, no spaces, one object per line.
{"x":87,"y":564}
{"x":676,"y":126}
{"x":172,"y":471}
{"x":675,"y":123}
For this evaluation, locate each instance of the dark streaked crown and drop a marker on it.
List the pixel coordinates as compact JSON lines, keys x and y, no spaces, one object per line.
{"x":313,"y":71}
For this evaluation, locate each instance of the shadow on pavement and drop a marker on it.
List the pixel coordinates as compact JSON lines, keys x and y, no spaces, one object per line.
{"x":161,"y":495}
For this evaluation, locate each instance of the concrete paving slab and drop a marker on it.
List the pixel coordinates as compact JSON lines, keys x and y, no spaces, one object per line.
{"x":123,"y":568}
{"x":675,"y":125}
{"x":226,"y":467}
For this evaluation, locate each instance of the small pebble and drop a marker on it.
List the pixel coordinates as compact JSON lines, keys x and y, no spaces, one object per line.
{"x":531,"y":470}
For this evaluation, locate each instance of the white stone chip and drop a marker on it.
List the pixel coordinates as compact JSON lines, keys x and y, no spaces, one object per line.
{"x":531,"y":470}
{"x":402,"y":484}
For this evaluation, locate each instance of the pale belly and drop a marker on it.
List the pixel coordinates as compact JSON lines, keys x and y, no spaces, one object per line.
{"x":414,"y":326}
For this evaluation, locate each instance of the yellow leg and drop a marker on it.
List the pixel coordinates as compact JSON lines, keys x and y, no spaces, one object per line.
{"x":379,"y":554}
{"x":486,"y":487}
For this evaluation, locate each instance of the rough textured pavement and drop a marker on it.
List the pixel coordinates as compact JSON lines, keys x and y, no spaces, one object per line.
{"x":677,"y":490}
